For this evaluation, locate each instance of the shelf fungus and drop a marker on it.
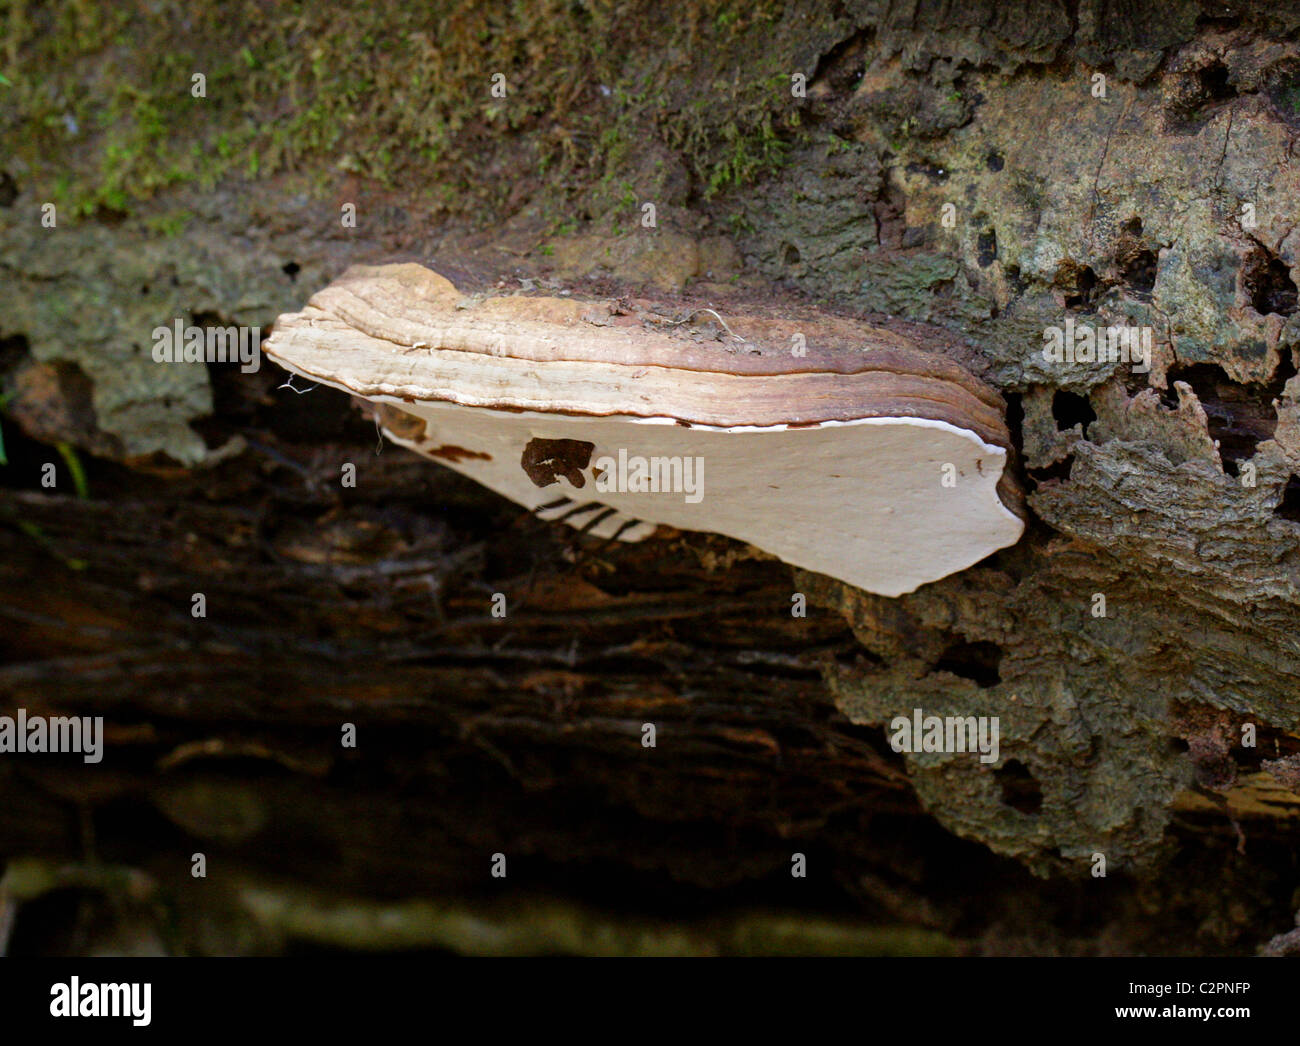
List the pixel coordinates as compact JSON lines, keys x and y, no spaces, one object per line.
{"x":838,"y":447}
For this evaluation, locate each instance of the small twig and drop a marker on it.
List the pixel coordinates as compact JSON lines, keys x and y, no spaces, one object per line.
{"x":723,"y":322}
{"x":691,"y":315}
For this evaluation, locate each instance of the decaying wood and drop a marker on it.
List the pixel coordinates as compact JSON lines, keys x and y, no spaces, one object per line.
{"x":476,"y":735}
{"x":963,"y":175}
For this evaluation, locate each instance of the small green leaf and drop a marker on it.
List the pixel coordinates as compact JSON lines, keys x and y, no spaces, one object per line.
{"x":73,"y":462}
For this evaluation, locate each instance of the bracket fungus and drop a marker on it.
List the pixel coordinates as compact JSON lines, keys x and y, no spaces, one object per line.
{"x":838,"y":447}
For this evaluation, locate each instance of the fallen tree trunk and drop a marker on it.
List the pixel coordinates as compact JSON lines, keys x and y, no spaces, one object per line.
{"x":1136,"y":645}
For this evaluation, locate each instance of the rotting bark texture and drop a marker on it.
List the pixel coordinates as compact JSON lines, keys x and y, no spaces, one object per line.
{"x":961,"y":171}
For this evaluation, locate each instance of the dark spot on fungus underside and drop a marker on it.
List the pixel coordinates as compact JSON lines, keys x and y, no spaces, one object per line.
{"x":400,"y":423}
{"x":453,"y":453}
{"x":546,"y":460}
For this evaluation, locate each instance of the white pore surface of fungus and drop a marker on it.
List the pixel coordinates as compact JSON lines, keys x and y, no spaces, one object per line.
{"x":862,"y":501}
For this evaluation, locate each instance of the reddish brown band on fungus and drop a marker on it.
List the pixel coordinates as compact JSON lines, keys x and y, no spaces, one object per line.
{"x":450,"y":452}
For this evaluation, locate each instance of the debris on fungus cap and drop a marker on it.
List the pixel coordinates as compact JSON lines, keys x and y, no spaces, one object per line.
{"x":838,"y":447}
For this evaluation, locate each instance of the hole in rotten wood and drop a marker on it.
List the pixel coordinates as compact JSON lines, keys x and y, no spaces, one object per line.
{"x":979,"y":662}
{"x":1060,"y":471}
{"x":1267,"y":281}
{"x":1136,"y":260}
{"x":1070,"y":409}
{"x":1016,"y":419}
{"x":1289,"y":506}
{"x":1239,"y":416}
{"x":1020,"y":788}
{"x":1079,"y":283}
{"x":1195,"y":95}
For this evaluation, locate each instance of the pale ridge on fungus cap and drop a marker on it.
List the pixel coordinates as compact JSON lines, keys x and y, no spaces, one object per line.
{"x":369,"y":367}
{"x":409,"y":304}
{"x":397,"y":331}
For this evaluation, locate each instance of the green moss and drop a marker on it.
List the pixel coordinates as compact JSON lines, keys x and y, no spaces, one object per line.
{"x":397,"y":93}
{"x":169,"y":225}
{"x":747,"y":157}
